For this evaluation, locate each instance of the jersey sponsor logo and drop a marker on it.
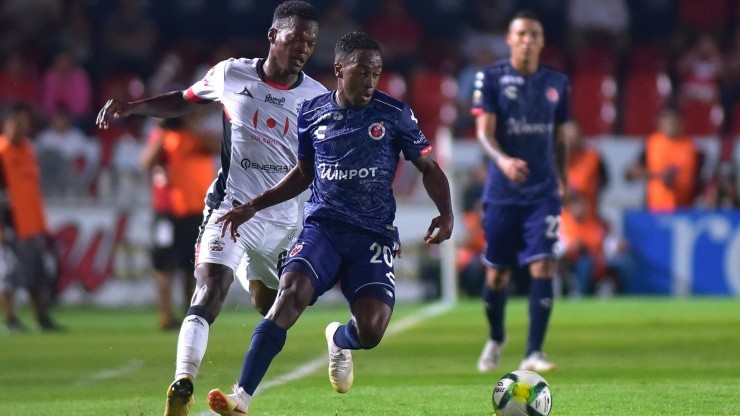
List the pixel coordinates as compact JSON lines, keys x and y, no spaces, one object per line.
{"x":296,"y":249}
{"x":333,"y":115}
{"x":279,"y":101}
{"x":510,"y":92}
{"x":245,"y":92}
{"x":552,"y":94}
{"x":216,"y":245}
{"x":522,"y":127}
{"x":267,"y":167}
{"x":333,"y":173}
{"x":376,"y":131}
{"x":421,"y":139}
{"x":320,"y":133}
{"x":511,"y":80}
{"x":265,"y":140}
{"x":270,"y":122}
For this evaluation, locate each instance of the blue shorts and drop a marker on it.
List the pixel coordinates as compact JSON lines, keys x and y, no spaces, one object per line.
{"x":330,"y":253}
{"x":520,"y":233}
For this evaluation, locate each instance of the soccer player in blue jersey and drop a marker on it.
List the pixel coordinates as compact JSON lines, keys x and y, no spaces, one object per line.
{"x":521,"y":107}
{"x":349,"y":145}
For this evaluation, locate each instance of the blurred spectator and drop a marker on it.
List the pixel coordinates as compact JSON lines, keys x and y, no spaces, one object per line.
{"x":27,"y":23}
{"x":23,"y":223}
{"x":589,"y":260}
{"x":470,"y":269}
{"x":128,"y":39}
{"x":334,"y":23}
{"x":19,"y":82}
{"x":169,"y":75}
{"x":670,"y":164}
{"x":703,"y":16}
{"x":466,"y":78}
{"x":66,"y":146}
{"x":722,"y":191}
{"x":180,"y":159}
{"x":699,"y":70}
{"x":76,"y":33}
{"x":67,"y":86}
{"x":399,"y":35}
{"x":587,"y":175}
{"x":652,"y":20}
{"x":601,"y":22}
{"x":486,"y":23}
{"x":730,"y":89}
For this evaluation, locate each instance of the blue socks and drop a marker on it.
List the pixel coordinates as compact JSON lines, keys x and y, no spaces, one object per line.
{"x":495,"y":304}
{"x":267,"y":342}
{"x":346,"y":337}
{"x":540,"y":306}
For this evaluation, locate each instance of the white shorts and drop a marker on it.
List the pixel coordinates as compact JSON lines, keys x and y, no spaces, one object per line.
{"x":257,"y":253}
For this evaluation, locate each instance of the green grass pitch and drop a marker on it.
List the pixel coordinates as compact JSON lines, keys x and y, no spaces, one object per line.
{"x":624,"y":356}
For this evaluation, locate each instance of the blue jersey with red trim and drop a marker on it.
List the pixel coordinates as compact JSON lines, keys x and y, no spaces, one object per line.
{"x":527,"y":109}
{"x":355,"y":153}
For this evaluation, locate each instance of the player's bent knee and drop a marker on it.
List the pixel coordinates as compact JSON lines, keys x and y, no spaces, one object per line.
{"x":370,"y":337}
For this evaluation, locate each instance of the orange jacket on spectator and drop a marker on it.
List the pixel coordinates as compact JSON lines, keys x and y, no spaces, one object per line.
{"x":22,"y":181}
{"x":588,"y":234}
{"x":584,"y":177}
{"x":663,"y":154}
{"x":189,"y":169}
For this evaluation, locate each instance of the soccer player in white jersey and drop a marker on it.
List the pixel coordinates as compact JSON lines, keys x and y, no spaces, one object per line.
{"x":260,"y":99}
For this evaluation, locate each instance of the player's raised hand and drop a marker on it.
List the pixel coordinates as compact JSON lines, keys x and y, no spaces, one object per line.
{"x":443,"y":224}
{"x":112,"y":109}
{"x":236,"y":216}
{"x":514,"y":168}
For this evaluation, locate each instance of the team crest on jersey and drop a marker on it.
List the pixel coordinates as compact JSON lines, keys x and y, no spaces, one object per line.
{"x":510,"y":92}
{"x":477,"y":95}
{"x":376,"y":131}
{"x":216,"y":245}
{"x":296,"y":249}
{"x":552,"y":95}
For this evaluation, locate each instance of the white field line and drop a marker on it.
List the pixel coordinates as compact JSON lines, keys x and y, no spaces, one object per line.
{"x":395,"y":328}
{"x":130,"y":367}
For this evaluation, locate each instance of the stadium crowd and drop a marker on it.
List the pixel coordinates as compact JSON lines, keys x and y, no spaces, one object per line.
{"x":627,"y":60}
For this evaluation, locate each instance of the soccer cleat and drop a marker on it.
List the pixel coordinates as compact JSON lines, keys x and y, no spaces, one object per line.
{"x":489,"y":357}
{"x":235,"y":404}
{"x":179,"y":397}
{"x":341,"y":374}
{"x":537,"y":361}
{"x":14,"y":326}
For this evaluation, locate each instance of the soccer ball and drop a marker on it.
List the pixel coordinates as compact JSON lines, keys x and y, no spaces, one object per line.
{"x":522,"y":393}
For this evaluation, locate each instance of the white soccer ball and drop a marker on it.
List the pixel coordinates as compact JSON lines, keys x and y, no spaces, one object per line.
{"x":522,"y":393}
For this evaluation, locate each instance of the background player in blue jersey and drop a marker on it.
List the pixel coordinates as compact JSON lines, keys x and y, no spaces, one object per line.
{"x":244,"y":88}
{"x":350,"y":141}
{"x":521,"y":108}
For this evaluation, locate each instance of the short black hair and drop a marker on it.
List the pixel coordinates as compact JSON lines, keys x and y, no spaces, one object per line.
{"x":354,"y":41}
{"x":296,"y":8}
{"x":525,"y":14}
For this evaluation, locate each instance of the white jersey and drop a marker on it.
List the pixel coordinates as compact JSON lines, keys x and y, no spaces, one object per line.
{"x":260,"y":134}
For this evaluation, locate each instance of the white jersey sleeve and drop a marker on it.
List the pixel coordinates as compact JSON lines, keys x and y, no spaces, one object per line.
{"x":211,"y":87}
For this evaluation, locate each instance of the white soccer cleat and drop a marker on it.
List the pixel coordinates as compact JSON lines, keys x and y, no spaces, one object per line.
{"x":341,"y":374}
{"x":235,"y":404}
{"x":537,"y":361}
{"x":489,"y":357}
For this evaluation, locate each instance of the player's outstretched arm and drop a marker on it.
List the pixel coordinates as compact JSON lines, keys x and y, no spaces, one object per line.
{"x":438,"y":188}
{"x":295,"y":182}
{"x":168,"y":105}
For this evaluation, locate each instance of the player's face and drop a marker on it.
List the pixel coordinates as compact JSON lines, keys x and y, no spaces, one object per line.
{"x":292,"y":42}
{"x":526,"y":39}
{"x":358,"y":76}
